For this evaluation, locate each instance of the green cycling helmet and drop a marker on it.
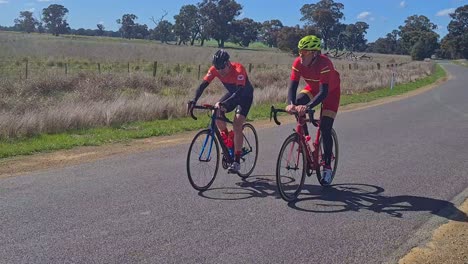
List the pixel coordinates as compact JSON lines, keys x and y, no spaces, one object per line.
{"x":310,"y":42}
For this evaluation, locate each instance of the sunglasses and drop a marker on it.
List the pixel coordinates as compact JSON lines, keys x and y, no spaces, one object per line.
{"x":305,"y":52}
{"x":220,"y":67}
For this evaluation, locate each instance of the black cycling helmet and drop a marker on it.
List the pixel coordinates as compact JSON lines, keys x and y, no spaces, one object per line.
{"x":220,"y":58}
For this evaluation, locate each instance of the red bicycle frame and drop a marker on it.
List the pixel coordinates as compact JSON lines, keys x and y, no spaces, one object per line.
{"x":312,"y":156}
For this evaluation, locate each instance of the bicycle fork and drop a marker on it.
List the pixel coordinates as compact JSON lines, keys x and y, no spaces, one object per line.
{"x":206,"y":149}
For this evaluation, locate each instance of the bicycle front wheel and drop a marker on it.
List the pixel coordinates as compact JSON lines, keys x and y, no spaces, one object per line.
{"x":334,"y":158}
{"x":249,"y":151}
{"x":291,"y":168}
{"x":203,"y":160}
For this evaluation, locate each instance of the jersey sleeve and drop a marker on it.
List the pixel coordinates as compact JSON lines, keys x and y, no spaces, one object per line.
{"x":241,"y":76}
{"x":211,"y":74}
{"x":325,"y":70}
{"x":295,"y":70}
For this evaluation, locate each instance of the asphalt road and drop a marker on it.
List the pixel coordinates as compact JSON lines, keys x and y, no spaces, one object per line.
{"x":402,"y":165}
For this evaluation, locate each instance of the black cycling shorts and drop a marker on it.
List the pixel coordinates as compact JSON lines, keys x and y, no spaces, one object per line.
{"x":241,"y":103}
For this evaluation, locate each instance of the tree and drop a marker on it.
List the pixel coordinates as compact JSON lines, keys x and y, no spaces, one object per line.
{"x":338,"y":37}
{"x":455,"y":44}
{"x":269,"y":32}
{"x":187,"y":24}
{"x":391,"y":44}
{"x":54,"y":19}
{"x":217,"y":16}
{"x":140,"y":31}
{"x":26,"y":22}
{"x":423,"y":48}
{"x":324,"y":15}
{"x":354,"y":36}
{"x":163,"y":32}
{"x":128,"y":25}
{"x":418,"y":29}
{"x":244,"y":31}
{"x":100,"y":29}
{"x":288,"y":38}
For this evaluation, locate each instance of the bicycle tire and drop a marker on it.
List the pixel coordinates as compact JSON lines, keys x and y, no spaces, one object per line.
{"x":250,"y":143}
{"x":290,"y":193}
{"x":202,"y":141}
{"x":334,"y":162}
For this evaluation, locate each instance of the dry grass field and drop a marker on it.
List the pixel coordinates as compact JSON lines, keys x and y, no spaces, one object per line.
{"x":50,"y":101}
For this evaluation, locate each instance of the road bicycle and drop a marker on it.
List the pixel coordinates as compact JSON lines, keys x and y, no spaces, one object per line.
{"x":297,"y":159}
{"x":204,"y":151}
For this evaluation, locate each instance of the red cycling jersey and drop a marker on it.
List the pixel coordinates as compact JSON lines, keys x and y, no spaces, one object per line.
{"x":237,"y":76}
{"x":321,"y":72}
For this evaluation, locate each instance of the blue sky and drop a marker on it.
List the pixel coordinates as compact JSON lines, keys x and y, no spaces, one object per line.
{"x":382,"y":15}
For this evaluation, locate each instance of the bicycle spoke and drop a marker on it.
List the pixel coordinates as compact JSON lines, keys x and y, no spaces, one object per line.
{"x":249,"y":151}
{"x":202,"y":160}
{"x":290,"y":169}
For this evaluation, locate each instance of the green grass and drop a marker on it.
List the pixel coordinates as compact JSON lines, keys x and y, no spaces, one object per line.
{"x":397,"y":89}
{"x":461,"y":62}
{"x":99,"y":136}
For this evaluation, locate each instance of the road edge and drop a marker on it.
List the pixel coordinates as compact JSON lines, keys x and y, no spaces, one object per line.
{"x":424,"y":233}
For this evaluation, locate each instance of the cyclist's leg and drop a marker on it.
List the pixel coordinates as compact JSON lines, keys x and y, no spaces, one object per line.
{"x":238,"y":137}
{"x":303,"y":98}
{"x":222,"y":124}
{"x":243,"y":108}
{"x":326,"y":124}
{"x":327,"y":117}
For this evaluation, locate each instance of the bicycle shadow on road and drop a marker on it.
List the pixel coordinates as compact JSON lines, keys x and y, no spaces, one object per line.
{"x":338,"y":198}
{"x":357,"y":197}
{"x":255,"y":186}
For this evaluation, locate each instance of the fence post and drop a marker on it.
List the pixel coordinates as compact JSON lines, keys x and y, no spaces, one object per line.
{"x":378,"y":66}
{"x":199,"y":71}
{"x":99,"y":67}
{"x":250,"y":67}
{"x":128,"y":67}
{"x":155,"y":67}
{"x":66,"y":68}
{"x":26,"y":70}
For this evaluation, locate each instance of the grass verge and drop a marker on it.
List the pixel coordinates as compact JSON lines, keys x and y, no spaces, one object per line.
{"x":99,"y":136}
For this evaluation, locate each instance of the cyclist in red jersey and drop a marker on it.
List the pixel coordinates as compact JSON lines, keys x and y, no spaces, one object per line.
{"x":239,"y":96}
{"x":323,"y":86}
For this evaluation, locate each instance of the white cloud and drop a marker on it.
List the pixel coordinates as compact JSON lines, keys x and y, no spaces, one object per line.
{"x":45,"y":0}
{"x":403,"y":4}
{"x":364,"y":15}
{"x":32,"y":9}
{"x":445,"y":12}
{"x":3,"y":1}
{"x":101,"y":22}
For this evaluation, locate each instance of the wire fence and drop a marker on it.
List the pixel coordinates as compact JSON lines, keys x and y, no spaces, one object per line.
{"x":24,"y":69}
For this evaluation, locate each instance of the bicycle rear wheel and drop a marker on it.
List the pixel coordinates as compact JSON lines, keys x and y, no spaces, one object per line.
{"x":291,"y":168}
{"x":334,"y":158}
{"x":249,"y":151}
{"x":203,"y":160}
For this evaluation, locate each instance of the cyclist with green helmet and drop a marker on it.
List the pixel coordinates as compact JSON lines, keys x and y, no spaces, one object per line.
{"x":323,"y":86}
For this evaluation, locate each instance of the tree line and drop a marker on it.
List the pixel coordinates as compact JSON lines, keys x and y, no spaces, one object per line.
{"x":217,"y":20}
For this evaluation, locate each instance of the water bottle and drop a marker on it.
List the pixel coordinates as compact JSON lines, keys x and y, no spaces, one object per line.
{"x":309,"y":146}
